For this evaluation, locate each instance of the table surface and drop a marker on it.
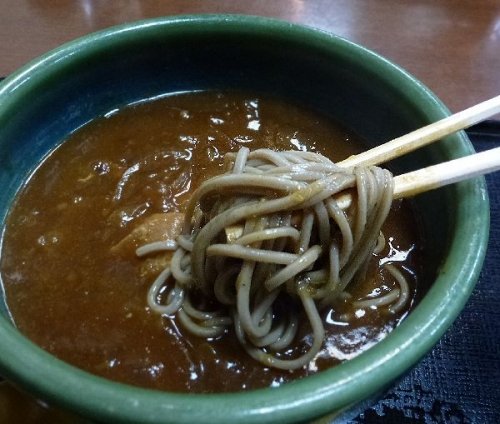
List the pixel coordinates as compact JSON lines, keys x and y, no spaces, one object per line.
{"x":452,"y":46}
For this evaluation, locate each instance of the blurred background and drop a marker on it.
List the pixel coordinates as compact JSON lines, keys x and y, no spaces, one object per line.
{"x":453,"y":46}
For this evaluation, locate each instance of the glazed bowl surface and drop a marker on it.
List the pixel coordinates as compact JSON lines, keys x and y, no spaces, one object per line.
{"x":45,"y":101}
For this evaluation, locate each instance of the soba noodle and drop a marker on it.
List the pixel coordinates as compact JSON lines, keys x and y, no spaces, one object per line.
{"x":267,"y":239}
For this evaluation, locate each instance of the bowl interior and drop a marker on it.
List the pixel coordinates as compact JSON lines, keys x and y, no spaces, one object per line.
{"x":51,"y":97}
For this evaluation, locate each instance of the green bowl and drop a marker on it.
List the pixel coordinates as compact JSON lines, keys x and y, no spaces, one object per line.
{"x":62,"y":90}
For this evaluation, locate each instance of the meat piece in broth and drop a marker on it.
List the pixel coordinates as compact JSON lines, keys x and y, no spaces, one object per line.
{"x":156,"y":227}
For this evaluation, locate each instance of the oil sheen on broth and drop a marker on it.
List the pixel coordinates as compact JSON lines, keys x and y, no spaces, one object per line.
{"x":71,"y":293}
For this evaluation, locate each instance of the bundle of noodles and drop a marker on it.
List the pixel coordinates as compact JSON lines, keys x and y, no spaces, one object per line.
{"x":268,"y":238}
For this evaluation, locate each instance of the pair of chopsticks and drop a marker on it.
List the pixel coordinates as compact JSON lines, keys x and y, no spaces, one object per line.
{"x":425,"y":179}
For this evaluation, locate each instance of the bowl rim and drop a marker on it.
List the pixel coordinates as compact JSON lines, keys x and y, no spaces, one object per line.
{"x":55,"y":381}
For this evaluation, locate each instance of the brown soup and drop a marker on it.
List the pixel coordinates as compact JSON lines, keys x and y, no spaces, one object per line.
{"x":69,"y":292}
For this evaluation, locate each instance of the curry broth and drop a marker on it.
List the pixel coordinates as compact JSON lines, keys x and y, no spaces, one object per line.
{"x":69,"y":293}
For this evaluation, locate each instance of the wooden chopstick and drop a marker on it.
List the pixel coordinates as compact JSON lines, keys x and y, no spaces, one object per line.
{"x":435,"y":176}
{"x":425,"y":135}
{"x":425,"y":179}
{"x":415,"y":182}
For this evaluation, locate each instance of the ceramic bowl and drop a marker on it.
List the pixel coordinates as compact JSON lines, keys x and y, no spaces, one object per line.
{"x":57,"y":93}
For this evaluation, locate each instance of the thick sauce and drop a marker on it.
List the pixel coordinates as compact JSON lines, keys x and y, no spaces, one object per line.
{"x":72,"y":295}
